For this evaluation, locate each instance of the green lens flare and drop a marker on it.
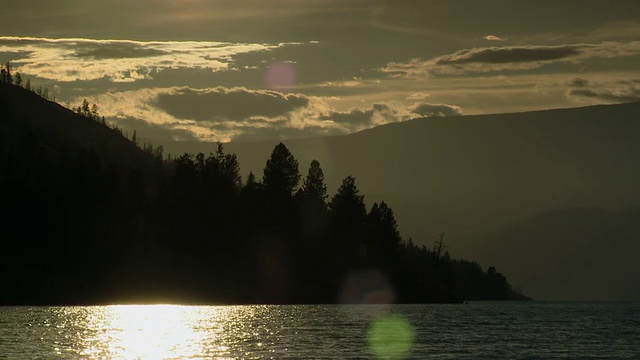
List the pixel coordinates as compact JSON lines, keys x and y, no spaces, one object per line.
{"x":391,"y":337}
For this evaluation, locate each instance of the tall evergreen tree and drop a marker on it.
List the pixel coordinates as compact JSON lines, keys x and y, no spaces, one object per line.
{"x":229,"y":168}
{"x":347,"y":205}
{"x":85,"y":108}
{"x":281,"y":175}
{"x":383,"y":239}
{"x":8,"y":76}
{"x":94,"y":113}
{"x":313,"y":186}
{"x":18,"y":81}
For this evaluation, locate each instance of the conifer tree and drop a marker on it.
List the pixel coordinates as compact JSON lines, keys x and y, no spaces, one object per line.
{"x":281,"y":175}
{"x":8,"y":76}
{"x":347,"y":205}
{"x":313,"y":186}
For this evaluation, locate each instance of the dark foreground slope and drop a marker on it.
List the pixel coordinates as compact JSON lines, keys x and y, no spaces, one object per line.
{"x":88,"y":217}
{"x":475,"y":176}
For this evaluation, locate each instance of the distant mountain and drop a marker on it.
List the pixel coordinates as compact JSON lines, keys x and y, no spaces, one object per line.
{"x":474,"y":174}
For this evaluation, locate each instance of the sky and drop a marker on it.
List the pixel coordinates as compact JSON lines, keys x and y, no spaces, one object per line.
{"x":247,"y":70}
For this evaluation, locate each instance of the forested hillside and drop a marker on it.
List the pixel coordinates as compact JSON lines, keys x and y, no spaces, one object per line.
{"x":87,"y":216}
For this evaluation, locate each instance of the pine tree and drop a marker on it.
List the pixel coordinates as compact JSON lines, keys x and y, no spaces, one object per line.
{"x":313,"y":186}
{"x":8,"y":77}
{"x":347,"y":205}
{"x":383,"y":236}
{"x":281,"y":175}
{"x":94,"y":112}
{"x":85,"y":108}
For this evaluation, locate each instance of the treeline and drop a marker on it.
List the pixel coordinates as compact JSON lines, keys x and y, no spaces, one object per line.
{"x":7,"y":77}
{"x":78,"y":227}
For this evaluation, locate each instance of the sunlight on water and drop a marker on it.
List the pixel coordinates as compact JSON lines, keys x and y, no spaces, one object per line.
{"x":155,"y":331}
{"x":475,"y":331}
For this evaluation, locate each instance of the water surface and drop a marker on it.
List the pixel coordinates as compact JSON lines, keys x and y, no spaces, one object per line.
{"x":529,"y":330}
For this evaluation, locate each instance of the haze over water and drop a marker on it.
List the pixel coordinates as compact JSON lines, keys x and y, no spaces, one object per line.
{"x":472,"y":331}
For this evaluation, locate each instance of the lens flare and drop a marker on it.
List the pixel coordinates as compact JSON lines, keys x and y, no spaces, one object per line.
{"x":391,"y":337}
{"x":280,"y":76}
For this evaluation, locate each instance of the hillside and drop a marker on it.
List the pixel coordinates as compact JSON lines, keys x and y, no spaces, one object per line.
{"x":87,"y":217}
{"x":592,"y":252}
{"x":474,"y":174}
{"x":58,"y":129}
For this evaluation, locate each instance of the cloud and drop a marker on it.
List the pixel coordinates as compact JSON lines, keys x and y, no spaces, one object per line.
{"x":158,"y":133}
{"x":222,"y":104}
{"x":378,"y":114}
{"x":240,"y":114}
{"x":493,"y":38}
{"x":512,"y":54}
{"x":384,"y":113}
{"x":228,"y":113}
{"x":509,"y":58}
{"x":618,"y":91}
{"x":418,"y":96}
{"x":71,"y":59}
{"x":428,"y":110}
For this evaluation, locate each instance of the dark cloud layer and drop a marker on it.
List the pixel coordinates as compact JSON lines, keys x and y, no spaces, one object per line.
{"x":510,"y":54}
{"x":116,"y":51}
{"x":513,"y":58}
{"x":427,"y":110}
{"x":221,"y":104}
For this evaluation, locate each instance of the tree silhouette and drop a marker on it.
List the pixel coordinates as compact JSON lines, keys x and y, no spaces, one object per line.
{"x":229,"y":168}
{"x":94,"y":113}
{"x":348,"y":215}
{"x":189,"y":230}
{"x":384,"y":239}
{"x":281,"y":175}
{"x":347,"y":205}
{"x":8,"y":77}
{"x":313,"y":186}
{"x":85,"y":108}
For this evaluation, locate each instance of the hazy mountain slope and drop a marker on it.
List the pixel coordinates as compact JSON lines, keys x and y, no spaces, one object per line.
{"x":569,"y":254}
{"x":59,"y":129}
{"x":477,"y":173}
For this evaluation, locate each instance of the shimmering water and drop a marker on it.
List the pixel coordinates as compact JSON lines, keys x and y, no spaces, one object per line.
{"x":474,"y":331}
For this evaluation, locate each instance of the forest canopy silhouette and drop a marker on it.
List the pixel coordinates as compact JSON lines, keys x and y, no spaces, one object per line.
{"x":89,"y":216}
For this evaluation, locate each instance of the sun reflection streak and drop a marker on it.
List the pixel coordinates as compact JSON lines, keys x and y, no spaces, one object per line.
{"x":153,"y":332}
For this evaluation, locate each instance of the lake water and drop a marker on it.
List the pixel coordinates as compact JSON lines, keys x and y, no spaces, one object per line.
{"x":529,"y":330}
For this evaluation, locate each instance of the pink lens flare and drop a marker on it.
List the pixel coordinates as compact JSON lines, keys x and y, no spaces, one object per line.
{"x":280,"y":75}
